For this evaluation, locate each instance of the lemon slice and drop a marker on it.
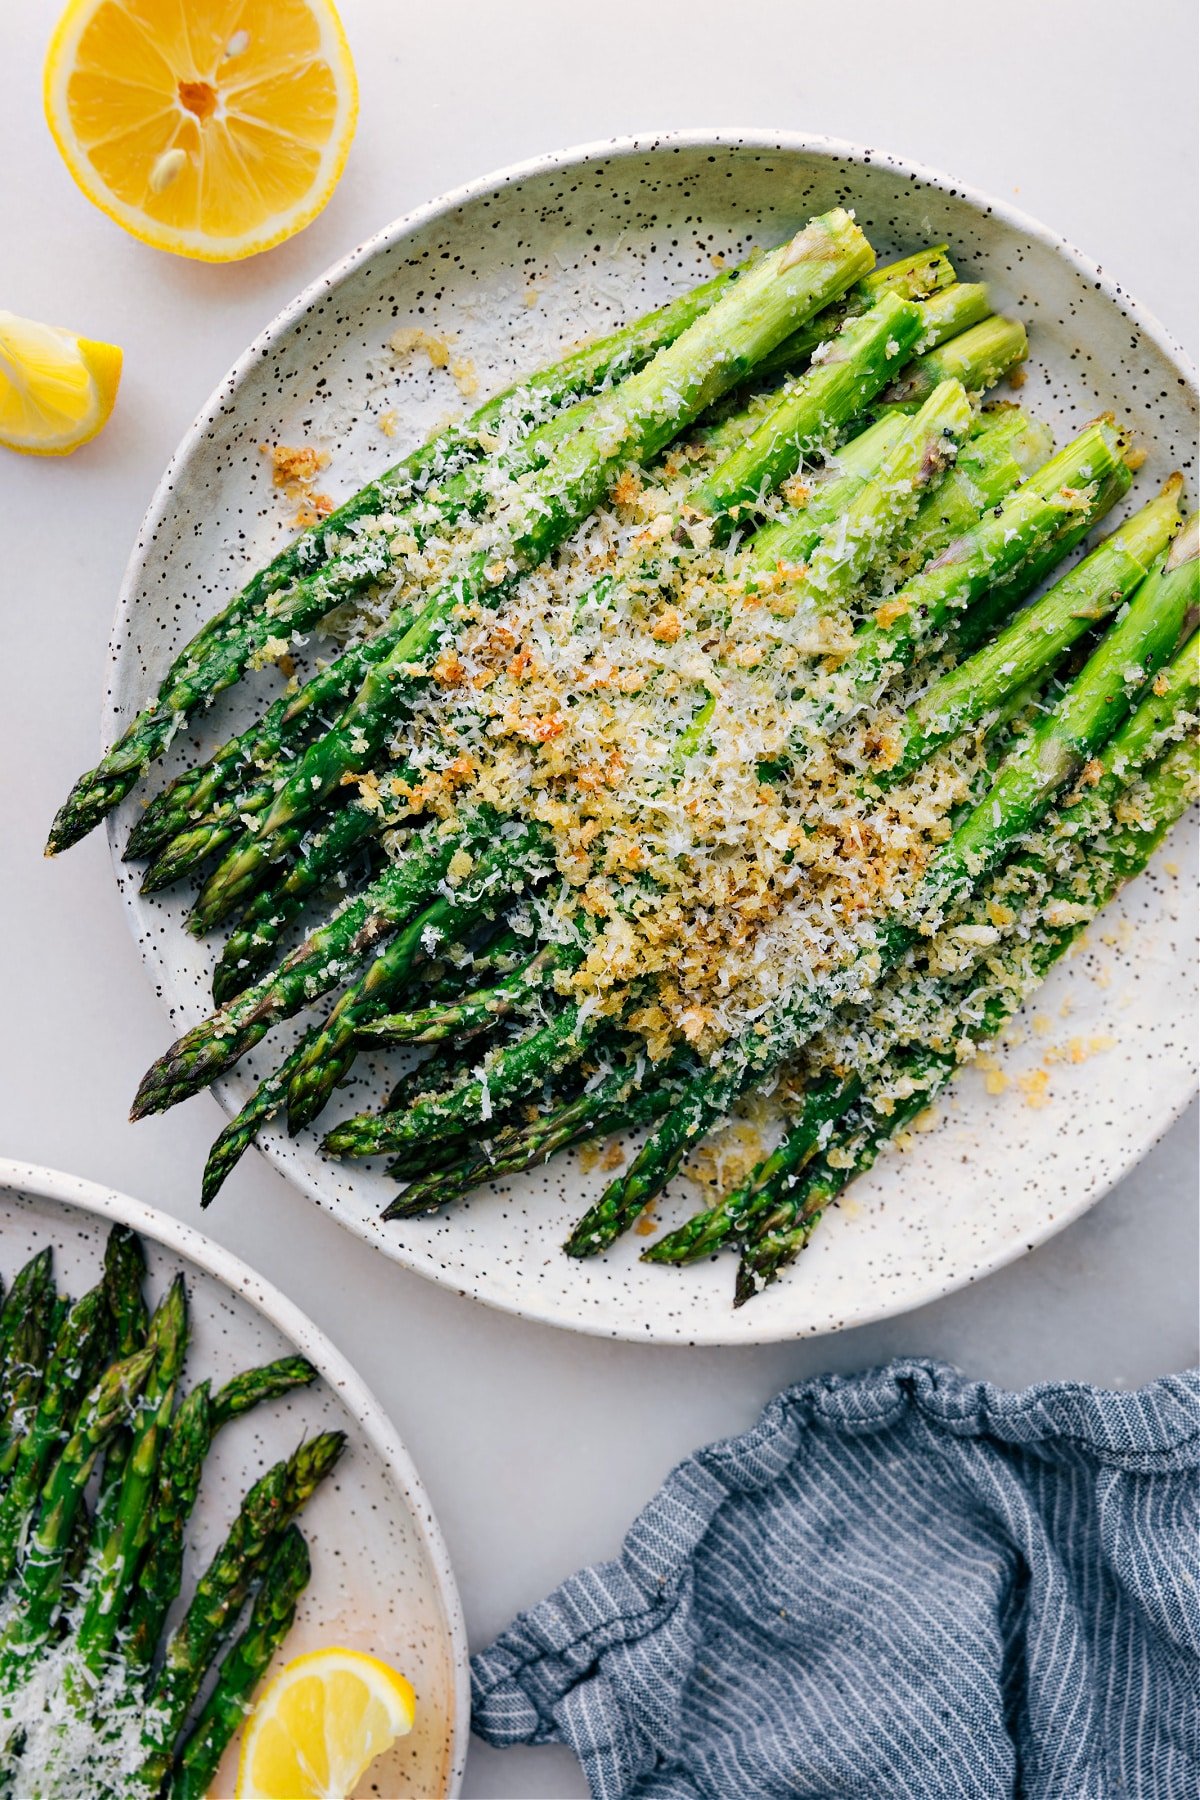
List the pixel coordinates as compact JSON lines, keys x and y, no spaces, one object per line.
{"x":213,"y":128}
{"x":56,"y":389}
{"x":320,"y":1725}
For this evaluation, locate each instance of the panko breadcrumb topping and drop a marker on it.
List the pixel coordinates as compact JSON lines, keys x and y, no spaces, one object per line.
{"x":645,"y":700}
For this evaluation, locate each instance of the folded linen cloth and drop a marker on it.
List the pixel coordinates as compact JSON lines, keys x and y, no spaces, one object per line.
{"x":901,"y":1586}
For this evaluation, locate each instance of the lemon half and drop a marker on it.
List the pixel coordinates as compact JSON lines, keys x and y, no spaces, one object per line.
{"x":56,"y":390}
{"x":212,"y":128}
{"x":320,"y":1725}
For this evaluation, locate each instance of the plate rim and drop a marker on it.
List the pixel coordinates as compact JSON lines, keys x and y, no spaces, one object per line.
{"x":338,"y":1373}
{"x":717,"y":1331}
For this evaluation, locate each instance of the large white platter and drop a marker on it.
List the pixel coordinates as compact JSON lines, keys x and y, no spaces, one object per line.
{"x":381,"y":1578}
{"x":590,"y":237}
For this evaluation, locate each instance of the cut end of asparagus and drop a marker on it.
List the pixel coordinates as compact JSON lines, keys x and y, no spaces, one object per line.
{"x":1186,"y":547}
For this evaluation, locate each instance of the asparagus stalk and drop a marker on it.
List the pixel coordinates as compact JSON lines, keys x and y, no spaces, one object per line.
{"x":854,"y":540}
{"x":992,"y":347}
{"x":190,"y":795}
{"x":462,"y":1019}
{"x":124,"y":1273}
{"x":200,"y":1416}
{"x":256,"y":1386}
{"x":25,"y":1337}
{"x":111,"y":1577}
{"x":265,"y":1513}
{"x":1125,"y":661}
{"x":234,"y":1141}
{"x":914,"y":277}
{"x":1006,"y":449}
{"x":70,"y":1367}
{"x":285,"y":1578}
{"x":822,"y":1105}
{"x":38,"y":1588}
{"x":792,"y":1215}
{"x":496,"y":876}
{"x":807,"y":417}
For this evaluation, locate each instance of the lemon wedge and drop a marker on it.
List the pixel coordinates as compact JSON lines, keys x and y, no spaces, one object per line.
{"x":213,"y":129}
{"x":319,"y":1726}
{"x":56,"y":389}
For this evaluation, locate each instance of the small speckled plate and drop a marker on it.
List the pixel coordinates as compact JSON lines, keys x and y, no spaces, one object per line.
{"x":511,"y":268}
{"x":381,"y":1578}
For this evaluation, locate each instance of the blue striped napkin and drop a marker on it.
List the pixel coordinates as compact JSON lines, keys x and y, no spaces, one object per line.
{"x":899,"y":1586}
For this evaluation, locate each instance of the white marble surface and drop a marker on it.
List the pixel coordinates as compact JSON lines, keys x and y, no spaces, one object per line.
{"x":537,"y":1447}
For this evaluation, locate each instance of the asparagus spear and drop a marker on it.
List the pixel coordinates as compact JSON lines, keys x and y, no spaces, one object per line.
{"x":39,"y":1585}
{"x":914,"y":277}
{"x":284,"y":1580}
{"x":25,"y":1337}
{"x":496,"y":876}
{"x":233,"y":1142}
{"x":807,"y":416}
{"x":111,"y":1575}
{"x":265,"y":1513}
{"x":256,"y":1386}
{"x":1065,"y":492}
{"x":70,"y":1367}
{"x":124,"y":1273}
{"x":637,"y":421}
{"x":989,"y":349}
{"x":1126,"y":660}
{"x":822,"y":1105}
{"x":787,"y":1226}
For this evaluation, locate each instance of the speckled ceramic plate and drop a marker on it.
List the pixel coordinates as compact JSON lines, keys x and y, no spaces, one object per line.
{"x":381,"y":1578}
{"x":512,"y":268}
